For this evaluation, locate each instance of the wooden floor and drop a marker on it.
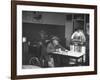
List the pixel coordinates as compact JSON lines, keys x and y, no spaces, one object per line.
{"x":30,"y":67}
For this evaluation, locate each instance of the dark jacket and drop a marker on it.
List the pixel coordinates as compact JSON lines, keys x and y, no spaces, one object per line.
{"x":51,"y":48}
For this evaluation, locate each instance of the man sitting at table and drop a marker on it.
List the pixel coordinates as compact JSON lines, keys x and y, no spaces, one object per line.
{"x":54,"y":46}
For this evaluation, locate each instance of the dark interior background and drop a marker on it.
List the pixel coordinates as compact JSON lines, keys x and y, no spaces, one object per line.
{"x":31,"y":32}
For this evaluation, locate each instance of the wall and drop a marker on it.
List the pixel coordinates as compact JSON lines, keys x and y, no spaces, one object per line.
{"x":5,"y":40}
{"x":68,"y":31}
{"x":51,"y":19}
{"x":56,"y":19}
{"x":31,"y":31}
{"x":47,"y":18}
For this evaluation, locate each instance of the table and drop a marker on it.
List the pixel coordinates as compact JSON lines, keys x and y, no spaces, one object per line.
{"x":69,"y":54}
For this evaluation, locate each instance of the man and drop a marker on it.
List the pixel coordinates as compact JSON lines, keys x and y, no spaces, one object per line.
{"x":43,"y":56}
{"x":55,"y":46}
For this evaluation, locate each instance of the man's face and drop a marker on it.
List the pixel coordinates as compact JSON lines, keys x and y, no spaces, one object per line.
{"x":55,"y":42}
{"x":42,"y":35}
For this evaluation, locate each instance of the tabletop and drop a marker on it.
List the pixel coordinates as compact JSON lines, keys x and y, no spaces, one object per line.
{"x":70,"y":53}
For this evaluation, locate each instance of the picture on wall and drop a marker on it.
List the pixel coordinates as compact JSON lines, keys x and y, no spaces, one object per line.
{"x":53,"y":39}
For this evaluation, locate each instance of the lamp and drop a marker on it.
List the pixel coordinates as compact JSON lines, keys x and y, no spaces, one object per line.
{"x":78,"y":37}
{"x":77,"y":41}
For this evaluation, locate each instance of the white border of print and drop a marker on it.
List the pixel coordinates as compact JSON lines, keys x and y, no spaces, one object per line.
{"x":21,"y":71}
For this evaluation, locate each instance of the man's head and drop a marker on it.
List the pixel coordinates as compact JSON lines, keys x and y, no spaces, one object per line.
{"x":42,"y":34}
{"x":55,"y":40}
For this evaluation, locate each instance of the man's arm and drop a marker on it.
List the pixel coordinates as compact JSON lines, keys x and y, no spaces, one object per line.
{"x":50,"y":48}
